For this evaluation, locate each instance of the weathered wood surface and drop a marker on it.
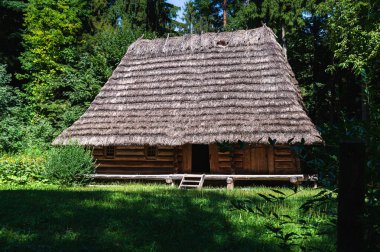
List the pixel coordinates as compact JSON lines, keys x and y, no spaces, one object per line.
{"x":133,"y":160}
{"x":186,"y":158}
{"x":192,"y":181}
{"x":214,"y":158}
{"x":256,"y":159}
{"x":230,"y":183}
{"x":299,"y":177}
{"x":285,"y":160}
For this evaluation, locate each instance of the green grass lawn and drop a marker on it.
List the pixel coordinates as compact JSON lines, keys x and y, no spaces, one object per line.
{"x":147,"y":217}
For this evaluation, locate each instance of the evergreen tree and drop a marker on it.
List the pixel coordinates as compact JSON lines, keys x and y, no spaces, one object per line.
{"x":202,"y":16}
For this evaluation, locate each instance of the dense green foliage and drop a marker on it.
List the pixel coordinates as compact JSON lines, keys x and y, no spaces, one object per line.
{"x":8,"y":95}
{"x":70,"y":165}
{"x":22,"y":169}
{"x":294,"y":233}
{"x":147,"y":218}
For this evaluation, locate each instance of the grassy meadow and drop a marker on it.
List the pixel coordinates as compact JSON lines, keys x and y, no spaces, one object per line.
{"x":151,"y":217}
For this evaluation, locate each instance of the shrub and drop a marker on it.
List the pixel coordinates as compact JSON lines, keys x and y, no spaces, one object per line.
{"x":70,"y":165}
{"x":22,"y":169}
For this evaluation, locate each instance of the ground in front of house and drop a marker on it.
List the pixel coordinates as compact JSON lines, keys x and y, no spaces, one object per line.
{"x":151,"y":217}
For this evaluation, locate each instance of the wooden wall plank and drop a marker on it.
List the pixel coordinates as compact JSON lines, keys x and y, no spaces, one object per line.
{"x":254,"y":163}
{"x":132,"y":160}
{"x":186,"y":158}
{"x":129,"y":152}
{"x":298,"y":164}
{"x":285,"y":161}
{"x":270,"y":158}
{"x":247,"y":159}
{"x":214,"y":158}
{"x":128,"y":164}
{"x":262,"y":160}
{"x":165,"y":152}
{"x":114,"y":170}
{"x":257,"y":159}
{"x":135,"y":147}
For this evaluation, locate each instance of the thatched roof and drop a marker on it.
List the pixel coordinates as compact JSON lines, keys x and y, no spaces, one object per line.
{"x":205,"y":88}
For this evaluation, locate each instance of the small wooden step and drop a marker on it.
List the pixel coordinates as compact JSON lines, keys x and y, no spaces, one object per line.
{"x":192,"y":181}
{"x":189,"y":186}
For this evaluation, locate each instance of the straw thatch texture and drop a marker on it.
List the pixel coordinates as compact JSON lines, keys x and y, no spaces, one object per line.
{"x":197,"y":89}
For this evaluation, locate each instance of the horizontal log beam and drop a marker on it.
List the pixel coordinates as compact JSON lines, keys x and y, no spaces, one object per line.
{"x":298,"y":177}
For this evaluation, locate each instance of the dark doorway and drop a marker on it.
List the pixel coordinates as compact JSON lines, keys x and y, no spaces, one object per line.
{"x":200,"y":158}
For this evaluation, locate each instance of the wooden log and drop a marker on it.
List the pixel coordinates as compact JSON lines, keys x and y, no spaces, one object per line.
{"x":165,"y":153}
{"x":299,"y":177}
{"x":134,"y":171}
{"x":170,"y":181}
{"x":132,"y":147}
{"x":278,"y":151}
{"x":134,"y":159}
{"x":230,"y":183}
{"x":128,"y":164}
{"x":351,"y":193}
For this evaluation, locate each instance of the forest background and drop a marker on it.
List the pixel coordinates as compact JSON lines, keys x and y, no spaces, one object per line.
{"x":55,"y":55}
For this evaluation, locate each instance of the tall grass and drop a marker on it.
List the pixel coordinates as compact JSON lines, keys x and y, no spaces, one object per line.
{"x":135,"y":217}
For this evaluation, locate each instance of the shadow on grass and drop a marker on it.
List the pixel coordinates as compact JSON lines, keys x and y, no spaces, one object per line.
{"x":166,"y":220}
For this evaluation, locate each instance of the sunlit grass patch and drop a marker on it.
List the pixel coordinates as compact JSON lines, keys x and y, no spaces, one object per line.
{"x":143,"y":217}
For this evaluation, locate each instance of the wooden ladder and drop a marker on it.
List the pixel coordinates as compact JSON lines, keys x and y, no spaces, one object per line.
{"x":192,"y":181}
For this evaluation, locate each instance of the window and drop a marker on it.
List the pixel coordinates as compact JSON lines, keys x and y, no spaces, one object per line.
{"x":109,"y":151}
{"x":151,"y":152}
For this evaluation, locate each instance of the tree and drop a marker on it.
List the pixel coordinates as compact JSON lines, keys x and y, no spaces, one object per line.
{"x":52,"y":30}
{"x":354,"y":38}
{"x":203,"y":16}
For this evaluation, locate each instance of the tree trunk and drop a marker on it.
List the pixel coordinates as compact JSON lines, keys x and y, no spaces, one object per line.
{"x":364,"y":105}
{"x":283,"y":33}
{"x":224,"y":14}
{"x":351,"y":195}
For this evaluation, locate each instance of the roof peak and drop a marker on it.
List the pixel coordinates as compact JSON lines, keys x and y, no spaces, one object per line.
{"x":200,"y":42}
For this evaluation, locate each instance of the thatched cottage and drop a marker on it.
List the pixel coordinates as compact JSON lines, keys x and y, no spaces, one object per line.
{"x":170,"y":101}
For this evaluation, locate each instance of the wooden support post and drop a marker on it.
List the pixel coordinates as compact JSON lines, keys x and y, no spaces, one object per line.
{"x":315,"y":184}
{"x":230,"y":183}
{"x":294,"y":180}
{"x":351,"y":189}
{"x":170,"y":182}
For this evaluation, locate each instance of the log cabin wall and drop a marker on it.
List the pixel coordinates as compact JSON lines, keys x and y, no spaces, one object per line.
{"x":258,"y":159}
{"x":134,"y":160}
{"x":285,"y":161}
